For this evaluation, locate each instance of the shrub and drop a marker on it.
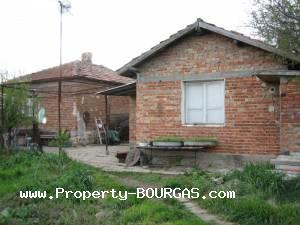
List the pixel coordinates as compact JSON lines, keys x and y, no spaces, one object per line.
{"x":63,"y":140}
{"x":291,"y":191}
{"x":262,"y":177}
{"x":79,"y":180}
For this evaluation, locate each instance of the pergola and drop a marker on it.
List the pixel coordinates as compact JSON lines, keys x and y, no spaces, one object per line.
{"x":123,"y":90}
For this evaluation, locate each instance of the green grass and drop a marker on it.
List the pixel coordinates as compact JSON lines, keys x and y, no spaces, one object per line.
{"x":263,"y":197}
{"x":154,"y":213}
{"x":179,"y":139}
{"x":202,"y":139}
{"x":168,"y":139}
{"x":30,"y":171}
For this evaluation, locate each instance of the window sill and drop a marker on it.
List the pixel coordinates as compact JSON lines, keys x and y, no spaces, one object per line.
{"x":203,"y":125}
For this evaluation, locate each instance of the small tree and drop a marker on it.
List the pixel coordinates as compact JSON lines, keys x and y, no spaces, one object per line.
{"x":17,"y":112}
{"x":278,"y":22}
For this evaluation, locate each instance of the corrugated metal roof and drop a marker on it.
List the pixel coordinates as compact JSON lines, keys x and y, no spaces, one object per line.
{"x":123,"y":90}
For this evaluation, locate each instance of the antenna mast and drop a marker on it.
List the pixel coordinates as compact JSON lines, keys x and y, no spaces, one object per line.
{"x":64,"y":7}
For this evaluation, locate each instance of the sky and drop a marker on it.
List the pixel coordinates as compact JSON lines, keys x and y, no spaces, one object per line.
{"x":115,"y":31}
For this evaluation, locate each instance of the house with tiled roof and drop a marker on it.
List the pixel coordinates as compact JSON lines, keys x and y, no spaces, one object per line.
{"x":80,"y":106}
{"x":205,"y":81}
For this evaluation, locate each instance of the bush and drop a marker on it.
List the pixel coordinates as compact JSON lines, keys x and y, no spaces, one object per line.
{"x":260,"y":191}
{"x":75,"y":180}
{"x":262,"y":177}
{"x":63,"y":140}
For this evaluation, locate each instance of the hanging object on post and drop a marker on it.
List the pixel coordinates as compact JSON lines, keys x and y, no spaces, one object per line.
{"x":101,"y":131}
{"x":42,"y":116}
{"x":86,"y":117}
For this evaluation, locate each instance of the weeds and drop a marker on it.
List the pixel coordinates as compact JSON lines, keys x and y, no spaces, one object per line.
{"x":28,"y":171}
{"x":263,"y":197}
{"x":262,"y":177}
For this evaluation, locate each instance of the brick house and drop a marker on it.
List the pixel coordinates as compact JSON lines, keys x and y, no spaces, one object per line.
{"x":207,"y":81}
{"x":80,"y":80}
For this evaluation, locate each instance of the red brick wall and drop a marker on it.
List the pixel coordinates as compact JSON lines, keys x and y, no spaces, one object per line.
{"x":91,"y":103}
{"x":48,"y":100}
{"x":87,"y":101}
{"x":118,"y":110}
{"x":290,"y":116}
{"x":205,"y":54}
{"x":118,"y":104}
{"x":250,"y":126}
{"x":132,"y":119}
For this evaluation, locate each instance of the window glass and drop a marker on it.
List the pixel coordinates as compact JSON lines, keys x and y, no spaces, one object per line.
{"x":204,"y":102}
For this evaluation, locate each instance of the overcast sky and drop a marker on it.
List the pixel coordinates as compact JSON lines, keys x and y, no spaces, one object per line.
{"x":115,"y":31}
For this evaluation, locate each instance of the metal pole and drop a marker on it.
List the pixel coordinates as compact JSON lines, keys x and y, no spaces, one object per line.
{"x":2,"y":106}
{"x":2,"y":113}
{"x":106,"y":123}
{"x":35,"y":125}
{"x":60,"y":74}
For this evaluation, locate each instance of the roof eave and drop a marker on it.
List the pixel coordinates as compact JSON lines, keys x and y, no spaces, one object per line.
{"x":198,"y":25}
{"x":275,"y":76}
{"x":249,"y":41}
{"x":55,"y":79}
{"x":123,"y":90}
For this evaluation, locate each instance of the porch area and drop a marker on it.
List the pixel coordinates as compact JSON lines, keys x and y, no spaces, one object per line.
{"x":95,"y":155}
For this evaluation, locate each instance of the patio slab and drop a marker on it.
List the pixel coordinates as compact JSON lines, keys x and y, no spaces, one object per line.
{"x":95,"y":155}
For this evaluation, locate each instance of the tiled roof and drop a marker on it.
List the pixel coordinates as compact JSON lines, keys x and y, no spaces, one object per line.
{"x":201,"y":26}
{"x":76,"y":69}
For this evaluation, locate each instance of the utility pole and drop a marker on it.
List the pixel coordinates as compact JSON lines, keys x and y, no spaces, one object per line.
{"x":63,"y":6}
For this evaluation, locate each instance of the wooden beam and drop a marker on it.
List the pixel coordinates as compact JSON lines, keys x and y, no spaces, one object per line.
{"x":238,"y":43}
{"x":199,"y":30}
{"x":106,"y":124}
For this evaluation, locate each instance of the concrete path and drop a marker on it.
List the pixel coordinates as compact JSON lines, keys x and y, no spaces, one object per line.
{"x":194,"y":208}
{"x":95,"y":155}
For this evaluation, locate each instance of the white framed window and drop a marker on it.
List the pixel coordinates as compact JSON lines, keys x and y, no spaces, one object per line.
{"x":28,"y":107}
{"x":204,"y":102}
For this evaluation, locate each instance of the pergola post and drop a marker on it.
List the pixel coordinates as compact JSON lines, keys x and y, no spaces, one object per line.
{"x":107,"y":124}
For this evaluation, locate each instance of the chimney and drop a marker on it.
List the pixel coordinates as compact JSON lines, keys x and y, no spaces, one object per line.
{"x":86,"y":57}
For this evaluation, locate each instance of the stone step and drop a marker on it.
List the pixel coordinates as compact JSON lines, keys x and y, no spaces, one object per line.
{"x":295,"y":154}
{"x":288,"y":168}
{"x":288,"y":157}
{"x":290,"y":161}
{"x":291,"y":174}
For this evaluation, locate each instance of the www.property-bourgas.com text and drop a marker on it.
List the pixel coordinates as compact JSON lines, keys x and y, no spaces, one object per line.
{"x":159,"y":193}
